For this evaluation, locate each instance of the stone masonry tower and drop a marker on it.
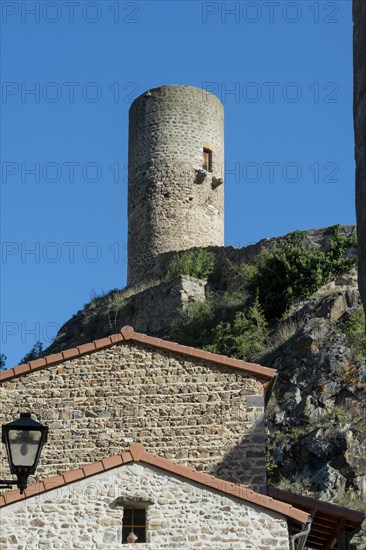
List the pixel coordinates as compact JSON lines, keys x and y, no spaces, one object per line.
{"x":175,"y":175}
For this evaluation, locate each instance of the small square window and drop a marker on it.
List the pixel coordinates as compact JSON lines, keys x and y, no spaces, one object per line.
{"x":207,"y":159}
{"x":134,"y":521}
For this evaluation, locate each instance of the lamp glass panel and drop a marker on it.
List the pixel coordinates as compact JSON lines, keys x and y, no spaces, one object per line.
{"x":23,"y":445}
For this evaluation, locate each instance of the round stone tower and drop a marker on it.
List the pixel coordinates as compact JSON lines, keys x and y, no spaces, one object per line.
{"x":175,"y":176}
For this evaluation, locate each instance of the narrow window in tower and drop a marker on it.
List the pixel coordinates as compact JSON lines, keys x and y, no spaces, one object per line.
{"x":207,"y":159}
{"x":134,"y":525}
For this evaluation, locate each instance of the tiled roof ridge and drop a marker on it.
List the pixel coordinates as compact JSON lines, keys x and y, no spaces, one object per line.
{"x":137,"y":453}
{"x":128,"y":333}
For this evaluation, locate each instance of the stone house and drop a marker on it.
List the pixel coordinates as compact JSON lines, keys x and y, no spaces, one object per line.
{"x":198,"y":408}
{"x":167,"y":505}
{"x":198,"y":481}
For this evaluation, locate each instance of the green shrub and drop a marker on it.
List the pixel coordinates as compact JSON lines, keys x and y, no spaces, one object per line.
{"x":354,"y":328}
{"x":340,"y":414}
{"x":195,"y":323}
{"x":295,"y":484}
{"x":244,"y":337}
{"x":291,"y":271}
{"x":335,"y":260}
{"x":283,"y":274}
{"x":195,"y":263}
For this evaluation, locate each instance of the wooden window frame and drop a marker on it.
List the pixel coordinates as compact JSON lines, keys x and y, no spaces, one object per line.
{"x":131,"y":526}
{"x":207,"y":156}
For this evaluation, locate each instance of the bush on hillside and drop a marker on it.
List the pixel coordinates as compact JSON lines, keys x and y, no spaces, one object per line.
{"x":290,"y":271}
{"x":243,"y":337}
{"x":195,"y":263}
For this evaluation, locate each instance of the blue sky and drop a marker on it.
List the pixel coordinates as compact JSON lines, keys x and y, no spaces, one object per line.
{"x":283,"y":71}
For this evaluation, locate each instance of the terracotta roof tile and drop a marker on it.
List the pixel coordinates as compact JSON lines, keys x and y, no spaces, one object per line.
{"x":138,"y":453}
{"x":204,"y":355}
{"x":112,"y":462}
{"x":94,"y":468}
{"x":53,"y":482}
{"x":13,"y":496}
{"x":116,"y":338}
{"x":73,"y":475}
{"x":35,"y":489}
{"x":52,"y":359}
{"x":166,"y":345}
{"x":103,"y":342}
{"x":127,"y":333}
{"x":126,"y":457}
{"x":22,"y":369}
{"x":70,"y":353}
{"x":6,"y":375}
{"x":37,"y":363}
{"x":150,"y":340}
{"x":138,"y":337}
{"x":86,"y":348}
{"x":226,"y":487}
{"x":174,"y":467}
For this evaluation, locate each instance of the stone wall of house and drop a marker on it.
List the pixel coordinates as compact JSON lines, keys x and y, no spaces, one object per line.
{"x":180,"y":516}
{"x":172,"y":203}
{"x":190,"y":411}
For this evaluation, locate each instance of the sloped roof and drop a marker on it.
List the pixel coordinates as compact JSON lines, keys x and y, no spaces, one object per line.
{"x":137,"y":453}
{"x":328,"y":519}
{"x":128,"y":334}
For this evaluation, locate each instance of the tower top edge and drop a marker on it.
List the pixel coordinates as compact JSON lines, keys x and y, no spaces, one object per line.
{"x":183,"y":88}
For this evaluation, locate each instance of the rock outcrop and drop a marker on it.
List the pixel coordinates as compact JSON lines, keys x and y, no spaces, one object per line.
{"x":316,"y":415}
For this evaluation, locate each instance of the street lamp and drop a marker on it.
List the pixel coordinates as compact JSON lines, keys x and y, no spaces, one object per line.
{"x":23,"y":439}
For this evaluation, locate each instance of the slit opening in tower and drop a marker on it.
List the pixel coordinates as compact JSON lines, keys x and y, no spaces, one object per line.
{"x":207,"y":159}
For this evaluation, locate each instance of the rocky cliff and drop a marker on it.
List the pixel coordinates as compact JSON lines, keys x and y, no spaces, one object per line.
{"x":316,"y":415}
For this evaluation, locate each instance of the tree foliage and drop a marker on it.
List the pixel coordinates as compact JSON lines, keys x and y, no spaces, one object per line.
{"x":243,"y":336}
{"x":3,"y":359}
{"x":34,"y":353}
{"x":291,"y":271}
{"x":195,"y":324}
